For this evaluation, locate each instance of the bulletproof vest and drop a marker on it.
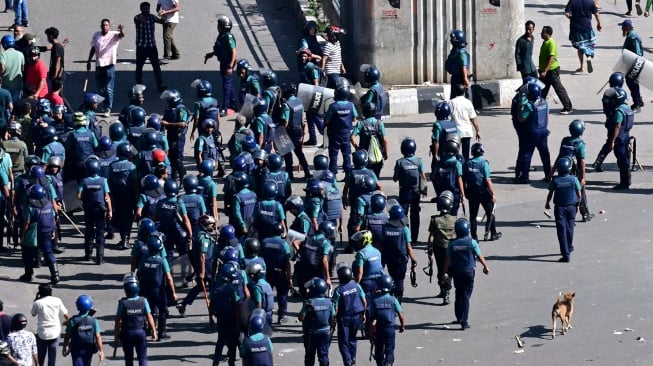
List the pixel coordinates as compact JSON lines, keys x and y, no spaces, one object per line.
{"x":146,"y":166}
{"x":349,"y":302}
{"x":369,"y":128}
{"x":203,"y":190}
{"x":451,"y":64}
{"x":44,"y":216}
{"x":569,"y":147}
{"x":91,"y":118}
{"x":269,"y":131}
{"x":296,"y":113}
{"x":358,"y":177}
{"x":266,"y":216}
{"x":628,"y":121}
{"x":151,"y":199}
{"x":311,"y":250}
{"x":444,"y":229}
{"x":379,"y":99}
{"x":251,"y":86}
{"x":307,"y":76}
{"x":274,"y":254}
{"x":82,"y":145}
{"x":105,"y":165}
{"x":209,"y":150}
{"x":462,"y":255}
{"x":63,"y":127}
{"x":394,"y":245}
{"x":319,"y":314}
{"x":57,"y":149}
{"x":539,"y":119}
{"x":249,"y":161}
{"x":176,"y":114}
{"x":125,"y":115}
{"x":332,"y":206}
{"x":514,"y":110}
{"x":270,"y":95}
{"x":83,"y":334}
{"x":280,"y":178}
{"x":93,"y":194}
{"x":565,"y":193}
{"x":193,"y":209}
{"x":133,"y":314}
{"x":266,"y":294}
{"x":374,"y":223}
{"x":119,"y":176}
{"x":447,"y":176}
{"x":367,"y":197}
{"x":168,"y":214}
{"x":384,"y":313}
{"x":372,"y":266}
{"x":134,"y":133}
{"x":222,"y":48}
{"x":259,"y":352}
{"x":342,"y":118}
{"x":247,"y":205}
{"x":57,"y":181}
{"x":45,"y":183}
{"x":222,"y":295}
{"x":152,"y":273}
{"x":15,"y":148}
{"x":300,"y":223}
{"x":196,"y":250}
{"x":409,"y":173}
{"x":473,"y":176}
{"x":447,"y":127}
{"x":205,"y":104}
{"x":141,"y":252}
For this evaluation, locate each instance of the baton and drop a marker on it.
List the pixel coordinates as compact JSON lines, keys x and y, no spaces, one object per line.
{"x":71,"y":222}
{"x":115,"y":349}
{"x":600,"y":90}
{"x":85,"y":83}
{"x":206,"y":298}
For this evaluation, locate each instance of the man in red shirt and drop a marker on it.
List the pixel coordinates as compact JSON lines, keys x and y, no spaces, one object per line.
{"x":36,"y":72}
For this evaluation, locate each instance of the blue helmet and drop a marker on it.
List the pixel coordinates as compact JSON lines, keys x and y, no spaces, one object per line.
{"x":49,"y":134}
{"x":154,"y":122}
{"x":239,"y":164}
{"x":171,"y":188}
{"x":36,"y":192}
{"x":44,"y":106}
{"x":274,"y":162}
{"x":316,"y":287}
{"x":345,"y":274}
{"x":408,"y":147}
{"x":576,"y":128}
{"x":564,"y":166}
{"x":327,"y":228}
{"x":36,"y":171}
{"x":255,"y":270}
{"x":378,"y":202}
{"x":58,"y":108}
{"x":328,"y":176}
{"x":172,"y":97}
{"x":203,"y":88}
{"x":313,"y":187}
{"x":294,"y":203}
{"x":342,"y":89}
{"x":260,"y":155}
{"x":229,"y":271}
{"x":124,"y":150}
{"x":269,"y":79}
{"x":385,"y":283}
{"x":207,"y":123}
{"x":533,"y":92}
{"x":130,"y":285}
{"x":137,"y":116}
{"x":116,"y":131}
{"x":256,"y":324}
{"x":369,"y":109}
{"x":190,"y":183}
{"x":397,"y":212}
{"x":442,"y":111}
{"x":269,"y":190}
{"x":8,"y":41}
{"x":457,"y":38}
{"x":260,"y":107}
{"x":92,"y":98}
{"x":154,"y":244}
{"x":372,"y":75}
{"x":146,"y":227}
{"x":92,"y":167}
{"x":321,"y":162}
{"x":150,"y":182}
{"x":251,"y":247}
{"x":368,"y":184}
{"x":84,"y":303}
{"x":228,"y":232}
{"x":360,"y":158}
{"x":461,"y":227}
{"x":207,"y":167}
{"x":621,"y":96}
{"x":616,"y":80}
{"x":135,"y":93}
{"x":105,"y":144}
{"x":242,"y":64}
{"x":230,"y":254}
{"x":241,"y":180}
{"x":478,"y":149}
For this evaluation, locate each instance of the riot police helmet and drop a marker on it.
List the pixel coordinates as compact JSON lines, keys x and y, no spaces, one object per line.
{"x":55,"y":161}
{"x":313,"y":187}
{"x":345,"y":274}
{"x":190,"y":183}
{"x":294,"y":203}
{"x":150,"y":182}
{"x":328,"y":177}
{"x":274,"y":162}
{"x":316,"y":287}
{"x":255,"y":271}
{"x":135,"y":93}
{"x":224,"y":24}
{"x":227,"y":232}
{"x":576,"y":128}
{"x":116,"y":131}
{"x":564,"y":165}
{"x":230,"y":254}
{"x":621,"y":96}
{"x":239,"y":164}
{"x":105,"y":144}
{"x":256,"y":324}
{"x":369,"y":109}
{"x":203,"y":88}
{"x":378,"y":202}
{"x":172,"y":97}
{"x":251,"y":247}
{"x":137,"y":116}
{"x":154,"y":122}
{"x":124,"y":150}
{"x":268,"y":79}
{"x":368,"y":184}
{"x":372,"y":75}
{"x":260,"y":107}
{"x":84,"y":304}
{"x":457,"y":38}
{"x":269,"y":190}
{"x":616,"y":80}
{"x":385,"y":283}
{"x":130,"y":285}
{"x":408,"y":147}
{"x":478,"y":149}
{"x":154,"y":244}
{"x":207,"y":223}
{"x":36,"y":192}
{"x":288,"y":90}
{"x":229,"y":271}
{"x":533,"y":92}
{"x":146,"y":227}
{"x":442,"y":111}
{"x":461,"y":227}
{"x":444,"y":202}
{"x":49,"y":134}
{"x":171,"y":188}
{"x":327,"y":228}
{"x":207,"y":167}
{"x":321,"y":162}
{"x":342,"y":89}
{"x":92,"y":167}
{"x":260,"y":155}
{"x":360,"y":159}
{"x":240,"y":180}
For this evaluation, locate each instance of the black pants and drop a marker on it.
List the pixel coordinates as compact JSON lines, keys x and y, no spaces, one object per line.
{"x":151,"y":53}
{"x":475,"y":201}
{"x":552,"y":79}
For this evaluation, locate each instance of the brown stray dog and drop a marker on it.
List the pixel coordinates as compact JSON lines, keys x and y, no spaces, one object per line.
{"x":563,"y":309}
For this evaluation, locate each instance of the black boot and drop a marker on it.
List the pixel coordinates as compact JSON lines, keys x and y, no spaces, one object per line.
{"x":446,"y":301}
{"x":57,"y":248}
{"x":624,"y":180}
{"x":54,"y":274}
{"x":441,"y":294}
{"x":598,"y":162}
{"x":162,"y":329}
{"x":99,"y":256}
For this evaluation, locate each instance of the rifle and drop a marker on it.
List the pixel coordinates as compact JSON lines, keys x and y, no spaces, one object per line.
{"x":428,"y":270}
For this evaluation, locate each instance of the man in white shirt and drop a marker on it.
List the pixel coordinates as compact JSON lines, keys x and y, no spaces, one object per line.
{"x":168,"y":10}
{"x":49,"y":310}
{"x":104,"y":46}
{"x":464,"y":114}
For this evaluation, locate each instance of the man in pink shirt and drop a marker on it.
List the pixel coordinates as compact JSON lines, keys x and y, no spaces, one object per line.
{"x":36,"y":72}
{"x":104,"y":46}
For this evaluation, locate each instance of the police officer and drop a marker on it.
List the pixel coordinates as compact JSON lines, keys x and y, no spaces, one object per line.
{"x":55,"y":178}
{"x":534,"y":113}
{"x":332,"y":202}
{"x":225,"y":305}
{"x":53,"y":147}
{"x":367,"y":265}
{"x":350,"y":304}
{"x":633,"y":43}
{"x":259,"y":173}
{"x":441,"y":231}
{"x":354,"y":185}
{"x":249,"y":82}
{"x":80,"y":144}
{"x":338,"y":120}
{"x":321,"y":165}
{"x":202,"y":258}
{"x":276,"y":254}
{"x":94,"y":192}
{"x":136,"y":99}
{"x":173,"y":221}
{"x":40,"y":211}
{"x":155,"y":274}
{"x":409,"y":172}
{"x":371,"y":128}
{"x":139,"y":252}
{"x":279,"y":177}
{"x":461,"y":260}
{"x":480,"y":192}
{"x":204,"y":103}
{"x":316,"y":316}
{"x":62,"y":122}
{"x":136,"y":127}
{"x":302,"y":223}
{"x":619,"y":121}
{"x":377,"y":219}
{"x":257,"y":347}
{"x":396,"y":249}
{"x":375,"y":94}
{"x":448,"y":175}
{"x":271,"y":94}
{"x":362,"y":207}
{"x":106,"y":154}
{"x":521,"y":96}
{"x":208,"y":189}
{"x":251,"y":249}
{"x":123,"y":183}
{"x":565,"y":189}
{"x":292,"y":118}
{"x":260,"y":290}
{"x":225,"y":50}
{"x":313,"y":202}
{"x":263,"y":125}
{"x":175,"y":121}
{"x":242,"y":213}
{"x":194,"y":202}
{"x":383,"y":309}
{"x":442,"y":127}
{"x":152,"y":193}
{"x":83,"y":338}
{"x":458,"y":61}
{"x":310,"y":73}
{"x":314,"y":253}
{"x":16,"y":148}
{"x":205,"y":146}
{"x":158,"y":140}
{"x":573,"y":147}
{"x":132,"y":318}
{"x":90,"y":103}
